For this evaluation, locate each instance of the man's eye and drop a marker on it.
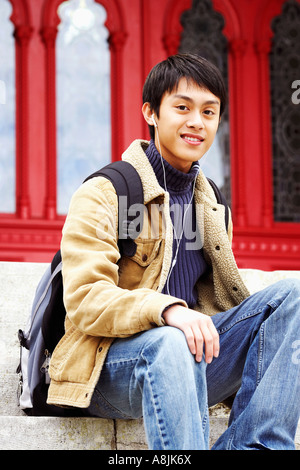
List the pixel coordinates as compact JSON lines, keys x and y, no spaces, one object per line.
{"x":182,"y":107}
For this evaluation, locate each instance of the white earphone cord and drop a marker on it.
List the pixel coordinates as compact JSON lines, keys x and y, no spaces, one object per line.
{"x":179,"y":240}
{"x":185,"y":213}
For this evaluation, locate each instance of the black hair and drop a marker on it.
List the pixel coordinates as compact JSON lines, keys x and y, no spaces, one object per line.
{"x":165,"y":76}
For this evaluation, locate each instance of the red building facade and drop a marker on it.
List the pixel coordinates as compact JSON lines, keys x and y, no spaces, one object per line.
{"x":141,"y":33}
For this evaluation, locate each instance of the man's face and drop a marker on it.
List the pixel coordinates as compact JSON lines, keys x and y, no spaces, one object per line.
{"x":188,"y":121}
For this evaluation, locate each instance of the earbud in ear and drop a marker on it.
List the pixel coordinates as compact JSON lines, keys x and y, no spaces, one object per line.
{"x":153,"y":120}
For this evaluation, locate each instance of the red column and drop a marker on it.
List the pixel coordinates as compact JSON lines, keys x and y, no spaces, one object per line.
{"x":237,"y":141}
{"x":22,"y":35}
{"x":49,"y":36}
{"x":263,"y":49}
{"x":116,"y":42}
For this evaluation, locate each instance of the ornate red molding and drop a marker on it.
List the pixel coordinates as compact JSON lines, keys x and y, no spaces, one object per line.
{"x":29,"y":240}
{"x":262,"y":248}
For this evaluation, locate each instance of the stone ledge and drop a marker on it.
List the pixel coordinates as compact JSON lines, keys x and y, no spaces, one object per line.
{"x":21,"y":432}
{"x":51,"y":433}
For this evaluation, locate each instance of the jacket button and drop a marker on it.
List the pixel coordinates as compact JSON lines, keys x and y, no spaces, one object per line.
{"x":144,"y":257}
{"x":235,"y":288}
{"x":100,"y":349}
{"x":218,"y":247}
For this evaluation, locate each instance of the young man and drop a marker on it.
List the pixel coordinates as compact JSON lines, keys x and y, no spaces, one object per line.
{"x":172,"y":330}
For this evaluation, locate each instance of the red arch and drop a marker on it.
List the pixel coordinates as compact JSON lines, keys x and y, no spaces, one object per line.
{"x":232,"y":29}
{"x":20,"y":14}
{"x":114,"y":21}
{"x":172,"y":25}
{"x":117,"y":36}
{"x":173,"y":28}
{"x":268,"y":9}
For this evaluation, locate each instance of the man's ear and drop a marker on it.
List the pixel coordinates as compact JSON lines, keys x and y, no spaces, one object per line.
{"x":147,"y":113}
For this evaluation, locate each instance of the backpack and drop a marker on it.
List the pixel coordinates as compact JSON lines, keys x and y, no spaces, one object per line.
{"x":45,"y":326}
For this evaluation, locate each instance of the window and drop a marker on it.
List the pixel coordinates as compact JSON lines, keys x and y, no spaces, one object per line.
{"x":7,"y":111}
{"x":285,"y":70}
{"x":202,"y":35}
{"x":83,"y":95}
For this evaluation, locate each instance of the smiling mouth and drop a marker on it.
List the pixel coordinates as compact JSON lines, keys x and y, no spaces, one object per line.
{"x":195,"y":140}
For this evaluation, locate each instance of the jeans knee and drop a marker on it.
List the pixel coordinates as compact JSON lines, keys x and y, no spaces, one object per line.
{"x":292,"y":289}
{"x":286,"y":287}
{"x":166,"y":337}
{"x":286,"y":294}
{"x":295,"y":284}
{"x":168,"y":344}
{"x":291,"y":284}
{"x":166,"y":357}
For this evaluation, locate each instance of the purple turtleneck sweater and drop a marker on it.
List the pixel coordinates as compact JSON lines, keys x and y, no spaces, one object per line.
{"x":187,"y":246}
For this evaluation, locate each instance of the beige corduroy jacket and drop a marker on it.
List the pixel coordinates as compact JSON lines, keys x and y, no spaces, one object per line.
{"x":107,"y":296}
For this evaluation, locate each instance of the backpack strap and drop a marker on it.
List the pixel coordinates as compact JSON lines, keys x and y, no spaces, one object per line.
{"x":127,"y":183}
{"x":220,"y":199}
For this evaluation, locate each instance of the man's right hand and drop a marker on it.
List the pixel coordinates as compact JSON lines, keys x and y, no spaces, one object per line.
{"x":199,"y":330}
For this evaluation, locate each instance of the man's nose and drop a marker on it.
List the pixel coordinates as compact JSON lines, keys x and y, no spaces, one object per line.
{"x":196,"y":121}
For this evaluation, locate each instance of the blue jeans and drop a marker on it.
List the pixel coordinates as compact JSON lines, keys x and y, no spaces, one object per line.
{"x":154,"y":375}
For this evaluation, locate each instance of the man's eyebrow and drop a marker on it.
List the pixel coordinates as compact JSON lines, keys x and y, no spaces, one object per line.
{"x":212,"y":102}
{"x":187,"y":98}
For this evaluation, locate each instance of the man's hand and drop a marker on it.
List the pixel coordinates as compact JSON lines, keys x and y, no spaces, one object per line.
{"x":198,"y":328}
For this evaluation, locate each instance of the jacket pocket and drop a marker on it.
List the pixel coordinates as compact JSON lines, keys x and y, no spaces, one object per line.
{"x":142,"y":269}
{"x":146,"y":251}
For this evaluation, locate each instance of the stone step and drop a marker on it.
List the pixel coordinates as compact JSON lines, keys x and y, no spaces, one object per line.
{"x":50,"y":433}
{"x":18,"y":282}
